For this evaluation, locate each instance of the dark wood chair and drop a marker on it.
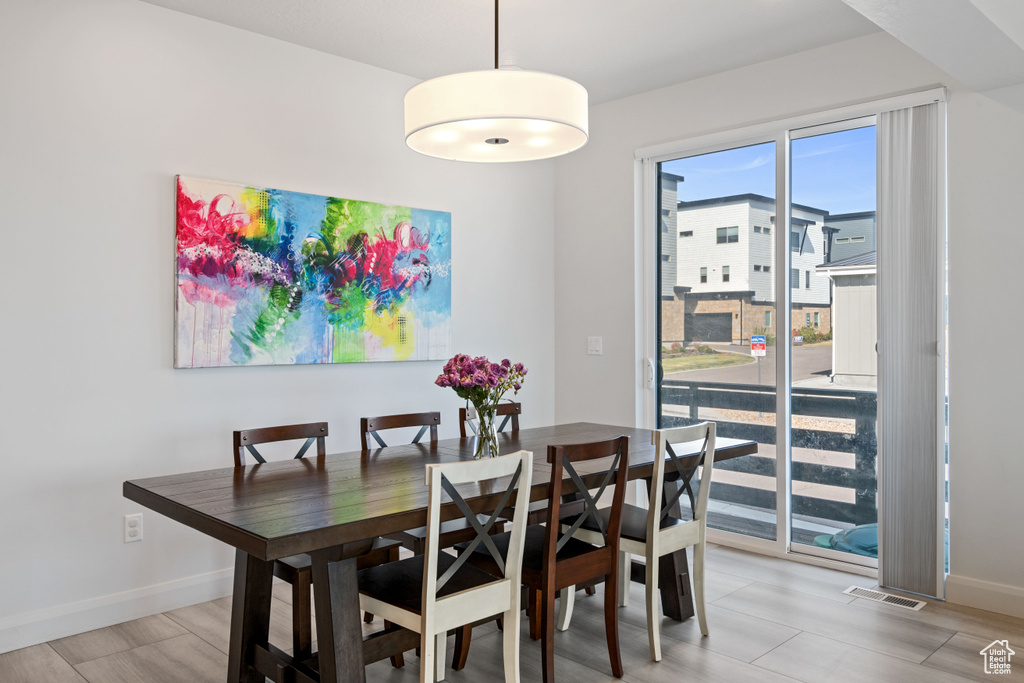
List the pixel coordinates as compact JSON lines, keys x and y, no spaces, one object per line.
{"x":453,"y":531}
{"x":510,"y":411}
{"x":370,"y":426}
{"x":297,"y":569}
{"x":553,"y":560}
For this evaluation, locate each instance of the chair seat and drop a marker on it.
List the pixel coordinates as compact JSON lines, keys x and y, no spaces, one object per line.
{"x":533,"y":548}
{"x":401,"y":583}
{"x":634,"y":522}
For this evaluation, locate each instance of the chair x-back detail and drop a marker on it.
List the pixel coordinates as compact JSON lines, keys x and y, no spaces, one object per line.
{"x":370,"y":426}
{"x":554,"y":560}
{"x":435,"y":592}
{"x":657,"y":531}
{"x":509,"y":411}
{"x":297,"y":569}
{"x":246,"y":440}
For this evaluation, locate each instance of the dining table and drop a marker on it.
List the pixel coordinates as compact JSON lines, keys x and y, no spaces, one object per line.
{"x":333,"y":506}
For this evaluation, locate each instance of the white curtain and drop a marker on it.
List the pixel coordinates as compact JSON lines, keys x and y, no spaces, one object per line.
{"x":911,"y":243}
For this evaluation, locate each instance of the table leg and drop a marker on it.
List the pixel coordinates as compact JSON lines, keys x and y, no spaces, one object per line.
{"x":339,"y":632}
{"x":674,"y":571}
{"x":250,"y":616}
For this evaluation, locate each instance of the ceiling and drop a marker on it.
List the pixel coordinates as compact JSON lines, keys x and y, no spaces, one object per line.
{"x":612,"y":47}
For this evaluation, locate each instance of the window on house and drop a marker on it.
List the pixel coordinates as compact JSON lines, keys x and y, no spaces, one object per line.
{"x":757,"y":228}
{"x":807,"y":319}
{"x":857,"y":239}
{"x":807,"y":279}
{"x":686,"y":233}
{"x":766,"y":230}
{"x":766,"y":269}
{"x":666,"y":257}
{"x":703,"y":275}
{"x":725,"y":273}
{"x":794,"y":278}
{"x":728,"y":235}
{"x":794,"y":241}
{"x":842,"y":240}
{"x":757,"y":269}
{"x":816,"y":320}
{"x":767,"y":318}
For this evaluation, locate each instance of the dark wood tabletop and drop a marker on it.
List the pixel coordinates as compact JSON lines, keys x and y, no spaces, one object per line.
{"x":282,"y":508}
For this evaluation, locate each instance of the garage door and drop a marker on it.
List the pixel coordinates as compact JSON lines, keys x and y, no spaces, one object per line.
{"x":709,"y":327}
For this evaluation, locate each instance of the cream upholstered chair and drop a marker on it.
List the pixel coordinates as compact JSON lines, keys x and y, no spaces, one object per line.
{"x":654,"y":532}
{"x":436,"y":592}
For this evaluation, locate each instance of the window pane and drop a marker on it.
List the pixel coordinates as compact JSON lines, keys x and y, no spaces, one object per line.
{"x":834,"y":372}
{"x":707,"y":320}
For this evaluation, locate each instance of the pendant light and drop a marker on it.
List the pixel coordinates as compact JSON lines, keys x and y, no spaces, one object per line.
{"x":496,"y":115}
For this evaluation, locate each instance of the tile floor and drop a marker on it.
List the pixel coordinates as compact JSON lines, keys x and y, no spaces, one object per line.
{"x":770,"y":620}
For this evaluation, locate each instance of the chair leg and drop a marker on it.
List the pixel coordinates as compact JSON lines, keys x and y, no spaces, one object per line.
{"x":567,"y":597}
{"x":698,"y":586}
{"x":440,"y":646}
{"x":625,"y":572}
{"x":463,"y":637}
{"x":510,"y":650}
{"x":302,"y":618}
{"x":590,"y":590}
{"x":611,"y":622}
{"x":651,"y":596}
{"x":547,"y":642}
{"x":533,"y":610}
{"x":367,"y":617}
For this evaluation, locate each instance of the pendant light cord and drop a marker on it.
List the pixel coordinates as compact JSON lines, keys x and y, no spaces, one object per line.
{"x":495,"y":34}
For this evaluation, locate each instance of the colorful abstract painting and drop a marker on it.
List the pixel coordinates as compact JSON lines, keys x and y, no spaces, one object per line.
{"x":271,"y":277}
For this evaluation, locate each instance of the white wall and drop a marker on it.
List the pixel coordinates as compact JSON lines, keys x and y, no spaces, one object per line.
{"x":103,"y":102}
{"x":595,"y":278}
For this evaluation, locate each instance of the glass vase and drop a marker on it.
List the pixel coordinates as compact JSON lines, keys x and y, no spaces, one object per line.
{"x":486,"y":435}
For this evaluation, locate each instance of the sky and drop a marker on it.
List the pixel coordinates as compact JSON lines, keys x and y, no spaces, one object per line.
{"x":834,"y":172}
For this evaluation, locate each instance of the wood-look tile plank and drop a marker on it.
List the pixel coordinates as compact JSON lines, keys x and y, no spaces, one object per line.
{"x":211,"y":621}
{"x":682,"y":662}
{"x":185,"y":659}
{"x":986,"y":625}
{"x":733,"y":634}
{"x":889,"y":634}
{"x":961,"y":655}
{"x":36,"y":664}
{"x":816,"y":659}
{"x":107,"y":641}
{"x":820,"y":581}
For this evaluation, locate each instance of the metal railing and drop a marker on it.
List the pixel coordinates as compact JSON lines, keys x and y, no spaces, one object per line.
{"x":860,"y":406}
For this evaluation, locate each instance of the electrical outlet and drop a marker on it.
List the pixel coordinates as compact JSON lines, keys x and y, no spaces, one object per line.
{"x":593,"y":346}
{"x":133,"y":528}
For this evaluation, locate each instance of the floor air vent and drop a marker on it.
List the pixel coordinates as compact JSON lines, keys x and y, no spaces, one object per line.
{"x":895,"y":600}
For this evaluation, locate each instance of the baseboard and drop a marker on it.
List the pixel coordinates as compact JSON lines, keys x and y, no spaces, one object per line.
{"x":992,"y":597}
{"x":61,"y":621}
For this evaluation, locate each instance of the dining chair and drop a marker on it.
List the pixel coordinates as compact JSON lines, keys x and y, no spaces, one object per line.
{"x":435,"y":592}
{"x":554,"y":560}
{"x":296,"y":570}
{"x":655,"y":532}
{"x":510,"y":411}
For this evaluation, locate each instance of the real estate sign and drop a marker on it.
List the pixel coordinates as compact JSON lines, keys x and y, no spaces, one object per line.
{"x":757,"y":345}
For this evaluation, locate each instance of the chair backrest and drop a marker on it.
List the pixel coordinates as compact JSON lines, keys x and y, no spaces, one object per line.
{"x":369,"y":426}
{"x":510,"y":411}
{"x":702,"y":438}
{"x":444,"y":478}
{"x":562,"y":459}
{"x":247,"y":439}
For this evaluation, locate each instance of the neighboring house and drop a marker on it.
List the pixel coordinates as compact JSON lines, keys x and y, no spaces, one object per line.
{"x":725,"y":270}
{"x":854,"y":320}
{"x":669,"y":193}
{"x":855,"y":234}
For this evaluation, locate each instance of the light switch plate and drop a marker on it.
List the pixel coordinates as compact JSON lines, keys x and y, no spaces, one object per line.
{"x":594,"y":346}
